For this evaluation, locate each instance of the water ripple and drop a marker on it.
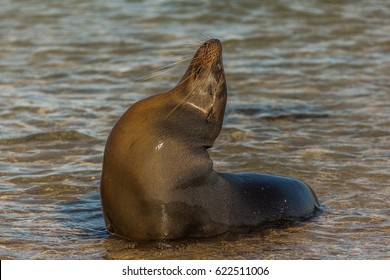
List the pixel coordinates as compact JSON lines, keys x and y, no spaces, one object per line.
{"x":308,"y":98}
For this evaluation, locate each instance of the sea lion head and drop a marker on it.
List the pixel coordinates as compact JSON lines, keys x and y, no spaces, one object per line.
{"x":201,"y":93}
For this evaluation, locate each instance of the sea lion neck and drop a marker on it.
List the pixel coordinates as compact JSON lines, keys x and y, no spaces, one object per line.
{"x":199,"y":99}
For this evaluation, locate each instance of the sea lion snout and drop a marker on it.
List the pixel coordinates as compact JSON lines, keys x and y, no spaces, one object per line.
{"x":210,"y":52}
{"x":211,"y":49}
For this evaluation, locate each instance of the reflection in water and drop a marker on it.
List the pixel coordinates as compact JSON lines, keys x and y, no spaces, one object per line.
{"x":308,"y":97}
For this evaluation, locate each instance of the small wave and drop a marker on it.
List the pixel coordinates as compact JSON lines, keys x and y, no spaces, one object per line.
{"x":47,"y":137}
{"x":279,"y":114}
{"x":293,"y":116}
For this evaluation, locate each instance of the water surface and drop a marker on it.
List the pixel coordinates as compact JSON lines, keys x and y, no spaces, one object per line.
{"x":308,"y":97}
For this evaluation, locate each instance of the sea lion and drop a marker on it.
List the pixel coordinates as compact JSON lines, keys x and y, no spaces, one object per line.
{"x":158,"y":180}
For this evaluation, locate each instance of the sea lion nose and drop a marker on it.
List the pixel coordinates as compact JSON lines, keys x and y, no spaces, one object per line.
{"x":214,"y":42}
{"x":212,"y":48}
{"x":214,"y":45}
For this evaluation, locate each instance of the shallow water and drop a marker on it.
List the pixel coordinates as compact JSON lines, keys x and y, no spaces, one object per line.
{"x":309,"y":97}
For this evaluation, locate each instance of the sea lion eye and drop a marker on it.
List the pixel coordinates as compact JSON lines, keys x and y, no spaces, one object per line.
{"x":197,"y":71}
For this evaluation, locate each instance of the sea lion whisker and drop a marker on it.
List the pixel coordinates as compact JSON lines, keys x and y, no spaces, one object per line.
{"x":174,"y":64}
{"x":208,"y":37}
{"x":209,"y":74}
{"x":197,"y":42}
{"x":159,"y":72}
{"x":166,"y":68}
{"x":183,"y":100}
{"x":186,"y":79}
{"x":178,"y":105}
